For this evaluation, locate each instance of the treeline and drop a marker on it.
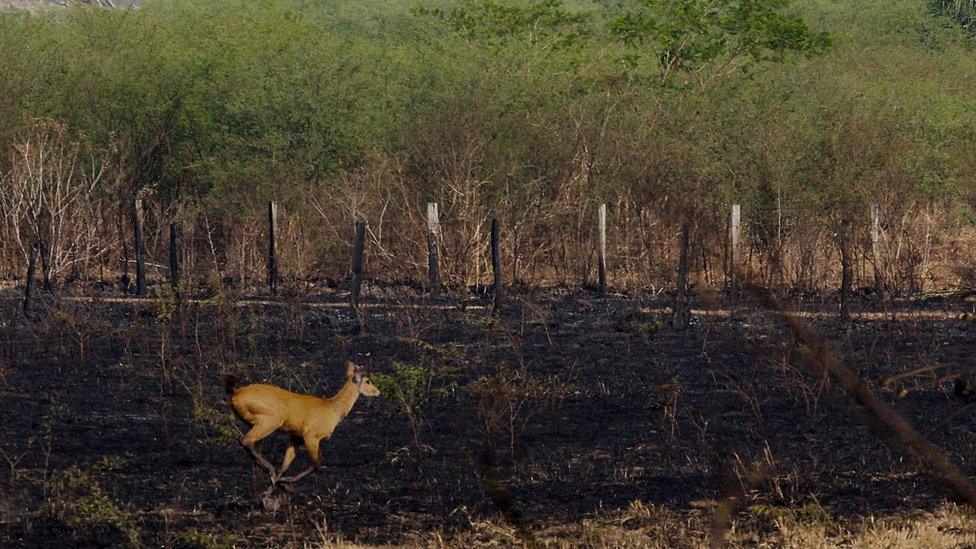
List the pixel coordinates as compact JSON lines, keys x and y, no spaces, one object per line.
{"x":531,"y":112}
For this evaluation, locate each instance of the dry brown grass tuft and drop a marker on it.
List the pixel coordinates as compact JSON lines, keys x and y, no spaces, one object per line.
{"x":950,"y":526}
{"x":648,"y":525}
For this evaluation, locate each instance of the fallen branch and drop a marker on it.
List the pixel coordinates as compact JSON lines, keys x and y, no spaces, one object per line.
{"x":821,"y":361}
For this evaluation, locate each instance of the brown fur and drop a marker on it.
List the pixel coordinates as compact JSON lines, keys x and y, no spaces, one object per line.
{"x":307,"y":419}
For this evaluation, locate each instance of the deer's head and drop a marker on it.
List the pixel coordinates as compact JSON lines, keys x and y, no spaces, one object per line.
{"x":357,"y":375}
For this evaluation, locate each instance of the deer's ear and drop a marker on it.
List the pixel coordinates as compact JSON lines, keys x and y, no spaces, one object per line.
{"x":350,"y":368}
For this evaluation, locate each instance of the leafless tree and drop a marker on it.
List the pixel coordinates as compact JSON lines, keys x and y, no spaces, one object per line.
{"x":47,"y":197}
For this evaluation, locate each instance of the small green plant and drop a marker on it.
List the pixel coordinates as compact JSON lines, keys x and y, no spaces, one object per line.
{"x":412,"y":387}
{"x":193,"y":539}
{"x":167,"y":305}
{"x":77,"y":498}
{"x":218,"y":421}
{"x":644,"y":328}
{"x":108,"y":463}
{"x":211,"y":419}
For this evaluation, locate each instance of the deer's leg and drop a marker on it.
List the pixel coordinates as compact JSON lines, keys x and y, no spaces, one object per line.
{"x":312,"y":445}
{"x":290,"y":454}
{"x":260,"y":430}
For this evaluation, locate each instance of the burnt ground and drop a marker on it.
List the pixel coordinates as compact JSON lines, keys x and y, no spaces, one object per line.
{"x":114,"y":427}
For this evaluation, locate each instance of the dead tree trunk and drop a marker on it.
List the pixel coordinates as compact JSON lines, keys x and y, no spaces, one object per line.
{"x":35,"y":250}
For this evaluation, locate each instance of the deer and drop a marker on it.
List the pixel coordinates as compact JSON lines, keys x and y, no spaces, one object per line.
{"x":307,"y":419}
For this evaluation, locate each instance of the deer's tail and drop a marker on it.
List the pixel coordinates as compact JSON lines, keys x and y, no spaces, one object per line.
{"x":230,"y":381}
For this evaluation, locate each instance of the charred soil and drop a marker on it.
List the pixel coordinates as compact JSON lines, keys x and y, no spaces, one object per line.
{"x":567,"y":412}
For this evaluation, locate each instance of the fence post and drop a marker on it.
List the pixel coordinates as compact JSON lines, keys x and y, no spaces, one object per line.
{"x":876,"y":249}
{"x":174,"y":255}
{"x":682,"y":312}
{"x":602,"y":248}
{"x":140,"y":247}
{"x":516,"y":253}
{"x":35,"y":249}
{"x":433,"y":231}
{"x":847,"y":272}
{"x":496,"y":265}
{"x":272,"y":247}
{"x":735,"y":249}
{"x":359,"y":243}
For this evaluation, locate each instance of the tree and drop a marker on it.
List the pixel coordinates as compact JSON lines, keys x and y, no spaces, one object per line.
{"x":702,"y":41}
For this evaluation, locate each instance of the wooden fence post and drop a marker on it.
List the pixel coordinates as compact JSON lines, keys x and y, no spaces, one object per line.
{"x":735,"y":226}
{"x":516,"y":252}
{"x":140,"y":246}
{"x":359,"y":243}
{"x":682,"y":310}
{"x":174,"y":255}
{"x":602,"y":248}
{"x":35,"y":249}
{"x":496,"y":265}
{"x":876,"y":249}
{"x":847,"y":270}
{"x":272,"y":247}
{"x":433,"y":231}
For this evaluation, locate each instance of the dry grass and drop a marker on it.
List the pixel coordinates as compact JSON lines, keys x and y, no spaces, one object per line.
{"x":950,"y":526}
{"x":646,"y":525}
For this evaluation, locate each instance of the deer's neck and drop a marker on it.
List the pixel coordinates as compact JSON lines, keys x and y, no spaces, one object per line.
{"x":345,"y":399}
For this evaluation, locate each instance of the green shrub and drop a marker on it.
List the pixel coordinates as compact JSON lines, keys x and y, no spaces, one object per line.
{"x":412,"y":388}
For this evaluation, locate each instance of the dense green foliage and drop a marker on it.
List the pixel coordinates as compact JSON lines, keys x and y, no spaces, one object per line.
{"x":209,"y":97}
{"x":227,"y":103}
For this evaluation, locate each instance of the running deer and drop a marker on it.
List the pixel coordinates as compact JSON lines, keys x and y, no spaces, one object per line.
{"x":307,"y":419}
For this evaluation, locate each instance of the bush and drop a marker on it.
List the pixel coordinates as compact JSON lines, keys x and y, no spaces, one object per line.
{"x":412,"y":387}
